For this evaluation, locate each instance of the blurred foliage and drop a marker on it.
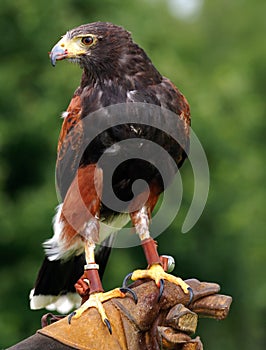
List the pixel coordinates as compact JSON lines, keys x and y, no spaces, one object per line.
{"x":217,"y":58}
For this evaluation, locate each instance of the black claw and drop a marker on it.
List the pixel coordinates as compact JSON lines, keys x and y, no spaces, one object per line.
{"x":126,"y":279}
{"x":128,"y":290}
{"x":108,"y":325}
{"x":161,"y":289}
{"x":70,"y":317}
{"x":191,"y":295}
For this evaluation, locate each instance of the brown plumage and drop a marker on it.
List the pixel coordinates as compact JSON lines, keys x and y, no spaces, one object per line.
{"x":115,"y":70}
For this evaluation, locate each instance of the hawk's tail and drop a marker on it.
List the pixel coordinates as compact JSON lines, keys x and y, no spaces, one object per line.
{"x":54,"y":288}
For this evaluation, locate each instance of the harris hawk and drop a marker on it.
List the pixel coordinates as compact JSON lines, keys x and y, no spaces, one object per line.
{"x":115,"y":71}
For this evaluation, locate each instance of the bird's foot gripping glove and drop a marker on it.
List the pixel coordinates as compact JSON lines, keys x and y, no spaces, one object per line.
{"x":157,"y":270}
{"x":96,"y":301}
{"x":157,"y":273}
{"x":90,"y":289}
{"x":167,"y":324}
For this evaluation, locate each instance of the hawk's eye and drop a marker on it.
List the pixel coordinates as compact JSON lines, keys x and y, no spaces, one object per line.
{"x":87,"y":40}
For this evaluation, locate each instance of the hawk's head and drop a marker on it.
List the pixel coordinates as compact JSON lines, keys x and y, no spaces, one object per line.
{"x":92,"y":43}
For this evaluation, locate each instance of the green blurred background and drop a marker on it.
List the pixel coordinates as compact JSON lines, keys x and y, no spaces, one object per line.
{"x":215,"y":52}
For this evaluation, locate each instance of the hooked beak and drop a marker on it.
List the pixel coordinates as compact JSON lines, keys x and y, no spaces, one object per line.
{"x":59,"y":52}
{"x":66,"y":48}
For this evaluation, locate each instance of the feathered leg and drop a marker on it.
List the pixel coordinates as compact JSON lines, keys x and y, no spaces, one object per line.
{"x":141,"y":219}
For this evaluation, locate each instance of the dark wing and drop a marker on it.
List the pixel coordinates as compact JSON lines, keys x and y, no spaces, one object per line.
{"x":163,"y":94}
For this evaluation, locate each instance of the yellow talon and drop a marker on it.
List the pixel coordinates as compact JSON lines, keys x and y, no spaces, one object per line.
{"x":156,"y":273}
{"x":95,"y":300}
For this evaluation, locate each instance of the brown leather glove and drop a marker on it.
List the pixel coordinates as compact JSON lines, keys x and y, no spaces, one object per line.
{"x":149,"y":325}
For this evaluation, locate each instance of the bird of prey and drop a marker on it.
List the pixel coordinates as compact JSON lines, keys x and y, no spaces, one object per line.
{"x":115,"y":70}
